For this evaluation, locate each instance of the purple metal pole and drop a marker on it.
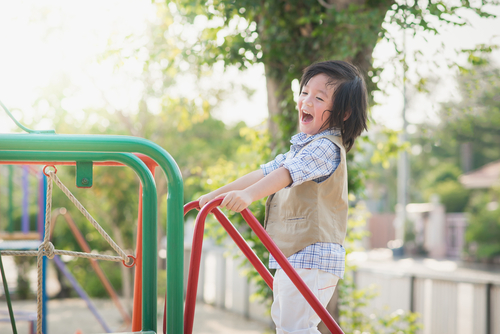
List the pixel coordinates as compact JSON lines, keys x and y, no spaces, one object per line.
{"x":25,"y":223}
{"x":80,"y":291}
{"x":1,"y":214}
{"x":40,"y":218}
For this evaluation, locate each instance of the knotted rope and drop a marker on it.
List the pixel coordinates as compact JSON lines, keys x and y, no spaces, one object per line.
{"x":47,"y":249}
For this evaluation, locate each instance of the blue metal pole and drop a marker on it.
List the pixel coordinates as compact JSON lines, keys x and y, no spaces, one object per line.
{"x":45,"y":297}
{"x":78,"y":288}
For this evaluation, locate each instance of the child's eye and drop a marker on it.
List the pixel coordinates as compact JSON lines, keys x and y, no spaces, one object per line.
{"x":319,"y":98}
{"x":304,"y":93}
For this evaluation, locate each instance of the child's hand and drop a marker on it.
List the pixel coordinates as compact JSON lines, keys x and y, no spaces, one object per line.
{"x":236,"y":201}
{"x":205,"y":199}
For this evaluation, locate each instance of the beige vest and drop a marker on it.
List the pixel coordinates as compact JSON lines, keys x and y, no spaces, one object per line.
{"x":310,"y":212}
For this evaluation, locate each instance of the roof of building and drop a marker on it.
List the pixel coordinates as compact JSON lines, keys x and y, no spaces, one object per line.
{"x":484,"y":177}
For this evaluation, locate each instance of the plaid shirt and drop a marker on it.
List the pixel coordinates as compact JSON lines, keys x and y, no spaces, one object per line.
{"x":316,"y":162}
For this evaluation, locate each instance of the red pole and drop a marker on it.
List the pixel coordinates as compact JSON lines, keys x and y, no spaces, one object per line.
{"x":268,"y":243}
{"x":242,"y":244}
{"x":194,"y":271}
{"x":194,"y":267}
{"x":288,"y":269}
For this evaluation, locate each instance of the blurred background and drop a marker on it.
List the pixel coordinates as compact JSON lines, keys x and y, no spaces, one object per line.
{"x":215,"y":83}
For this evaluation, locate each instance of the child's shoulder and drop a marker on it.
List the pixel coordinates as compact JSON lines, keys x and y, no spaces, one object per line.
{"x":320,"y":143}
{"x":322,"y":146}
{"x":326,"y":139}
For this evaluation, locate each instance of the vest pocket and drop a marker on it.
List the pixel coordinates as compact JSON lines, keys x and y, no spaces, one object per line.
{"x":293,"y":220}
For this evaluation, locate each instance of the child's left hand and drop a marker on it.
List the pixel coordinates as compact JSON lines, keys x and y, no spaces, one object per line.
{"x":237,"y":201}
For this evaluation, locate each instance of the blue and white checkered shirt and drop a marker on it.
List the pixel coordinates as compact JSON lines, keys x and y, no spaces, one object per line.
{"x":316,"y":162}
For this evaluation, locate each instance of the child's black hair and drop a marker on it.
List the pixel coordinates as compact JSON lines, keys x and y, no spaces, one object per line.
{"x":350,"y":97}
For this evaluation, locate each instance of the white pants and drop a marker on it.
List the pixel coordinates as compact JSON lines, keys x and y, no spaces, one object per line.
{"x":290,"y":311}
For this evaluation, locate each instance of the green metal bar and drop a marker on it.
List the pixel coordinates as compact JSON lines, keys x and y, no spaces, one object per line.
{"x":175,"y":197}
{"x":149,"y":212}
{"x":22,"y":126}
{"x":7,"y":296}
{"x":11,"y":200}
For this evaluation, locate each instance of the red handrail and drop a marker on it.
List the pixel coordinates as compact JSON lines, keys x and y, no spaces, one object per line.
{"x":194,"y":269}
{"x":192,"y":285}
{"x":196,"y":257}
{"x":238,"y":239}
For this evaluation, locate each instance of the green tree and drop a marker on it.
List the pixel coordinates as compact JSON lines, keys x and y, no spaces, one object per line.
{"x":466,"y":137}
{"x":475,"y":120}
{"x":483,"y":231}
{"x":287,"y":36}
{"x":183,"y":125}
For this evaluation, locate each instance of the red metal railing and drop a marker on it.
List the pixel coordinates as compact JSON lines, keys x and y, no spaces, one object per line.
{"x":254,"y":224}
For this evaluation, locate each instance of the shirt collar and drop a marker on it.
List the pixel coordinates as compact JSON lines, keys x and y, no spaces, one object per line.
{"x":301,"y":138}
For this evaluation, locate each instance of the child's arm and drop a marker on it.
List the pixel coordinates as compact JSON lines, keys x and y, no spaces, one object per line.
{"x":239,"y":184}
{"x":240,"y":199}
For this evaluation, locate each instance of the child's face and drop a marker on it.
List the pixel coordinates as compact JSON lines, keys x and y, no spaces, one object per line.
{"x":315,"y":98}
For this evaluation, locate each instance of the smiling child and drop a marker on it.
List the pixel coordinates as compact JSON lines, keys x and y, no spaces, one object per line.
{"x":306,"y":211}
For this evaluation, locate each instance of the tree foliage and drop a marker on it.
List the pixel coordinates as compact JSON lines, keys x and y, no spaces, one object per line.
{"x":476,"y":118}
{"x":181,"y":123}
{"x":287,"y":36}
{"x":438,"y":151}
{"x":472,"y":122}
{"x":483,"y":231}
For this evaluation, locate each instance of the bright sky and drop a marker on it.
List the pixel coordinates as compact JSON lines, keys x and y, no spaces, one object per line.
{"x":58,"y":43}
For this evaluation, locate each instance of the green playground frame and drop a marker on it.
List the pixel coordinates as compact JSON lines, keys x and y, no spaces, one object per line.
{"x":48,"y":146}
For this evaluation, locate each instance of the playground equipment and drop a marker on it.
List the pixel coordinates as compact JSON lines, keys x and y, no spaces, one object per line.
{"x":192,"y":285}
{"x":26,"y":239}
{"x":45,"y":147}
{"x":47,"y":248}
{"x":149,"y":214}
{"x":84,"y":151}
{"x":62,"y":212}
{"x":24,"y":233}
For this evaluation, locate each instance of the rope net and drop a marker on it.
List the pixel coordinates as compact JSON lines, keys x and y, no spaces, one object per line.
{"x":47,"y":249}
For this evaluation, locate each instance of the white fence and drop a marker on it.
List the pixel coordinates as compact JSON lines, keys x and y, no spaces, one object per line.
{"x":450,"y":305}
{"x":222,"y":283}
{"x":447,"y":303}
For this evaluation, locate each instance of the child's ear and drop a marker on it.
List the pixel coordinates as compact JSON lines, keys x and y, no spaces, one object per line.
{"x":347,"y":115}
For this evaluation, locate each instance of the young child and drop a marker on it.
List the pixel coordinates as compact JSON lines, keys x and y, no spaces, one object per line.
{"x":306,"y":211}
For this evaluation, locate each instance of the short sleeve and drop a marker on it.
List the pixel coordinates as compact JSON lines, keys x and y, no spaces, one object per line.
{"x":273,"y":165}
{"x":317,"y":161}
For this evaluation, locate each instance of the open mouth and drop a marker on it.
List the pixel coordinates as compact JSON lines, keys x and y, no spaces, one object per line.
{"x":306,"y":117}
